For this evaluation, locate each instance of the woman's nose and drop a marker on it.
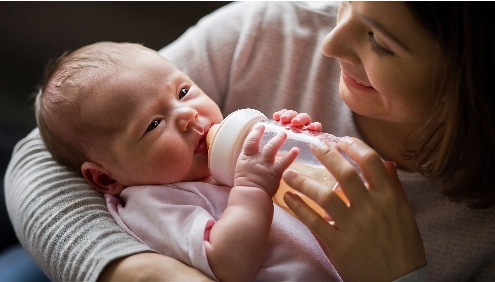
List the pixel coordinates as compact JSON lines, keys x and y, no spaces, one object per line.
{"x":185,"y":116}
{"x":340,"y":42}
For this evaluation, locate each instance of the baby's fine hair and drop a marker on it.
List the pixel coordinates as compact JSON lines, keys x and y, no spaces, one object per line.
{"x":65,"y":82}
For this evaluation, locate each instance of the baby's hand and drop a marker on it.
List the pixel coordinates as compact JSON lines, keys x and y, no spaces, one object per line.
{"x":296,"y":120}
{"x":261,"y":169}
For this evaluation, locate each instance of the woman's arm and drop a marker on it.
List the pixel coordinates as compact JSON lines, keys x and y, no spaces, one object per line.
{"x":67,"y":235}
{"x":60,"y":220}
{"x":150,"y":267}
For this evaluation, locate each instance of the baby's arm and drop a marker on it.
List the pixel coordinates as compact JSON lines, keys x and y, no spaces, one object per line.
{"x":237,"y":241}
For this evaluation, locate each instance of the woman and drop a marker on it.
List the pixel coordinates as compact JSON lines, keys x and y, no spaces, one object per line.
{"x":419,"y":97}
{"x":267,"y":56}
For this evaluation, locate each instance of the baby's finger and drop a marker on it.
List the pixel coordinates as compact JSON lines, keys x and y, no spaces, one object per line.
{"x":287,"y":116}
{"x":270,"y":150}
{"x":315,"y":126}
{"x":277,"y":114}
{"x":281,"y":165}
{"x":252,"y":141}
{"x":300,"y":120}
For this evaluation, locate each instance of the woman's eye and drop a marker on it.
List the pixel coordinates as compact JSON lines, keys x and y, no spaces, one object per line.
{"x":376,"y":47}
{"x":153,"y":125}
{"x":183,"y":93}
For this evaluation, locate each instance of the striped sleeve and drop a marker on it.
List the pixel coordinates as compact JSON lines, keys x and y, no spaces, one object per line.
{"x":62,"y":222}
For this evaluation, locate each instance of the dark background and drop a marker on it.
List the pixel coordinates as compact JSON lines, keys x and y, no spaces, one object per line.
{"x":31,"y":33}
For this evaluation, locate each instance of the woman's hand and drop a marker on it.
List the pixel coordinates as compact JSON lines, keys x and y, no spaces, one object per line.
{"x":150,"y":267}
{"x":297,"y":120}
{"x":375,"y":237}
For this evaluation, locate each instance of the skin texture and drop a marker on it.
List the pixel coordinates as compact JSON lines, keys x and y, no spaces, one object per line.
{"x":387,"y":66}
{"x":398,"y":61}
{"x":158,"y":120}
{"x":378,"y":222}
{"x":257,"y":177}
{"x":159,"y":124}
{"x":150,"y":267}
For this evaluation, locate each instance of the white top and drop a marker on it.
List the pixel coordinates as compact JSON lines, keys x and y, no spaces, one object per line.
{"x":174,"y":219}
{"x":261,"y":55}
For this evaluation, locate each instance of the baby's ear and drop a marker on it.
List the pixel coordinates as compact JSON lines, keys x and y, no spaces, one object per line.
{"x":100,"y":179}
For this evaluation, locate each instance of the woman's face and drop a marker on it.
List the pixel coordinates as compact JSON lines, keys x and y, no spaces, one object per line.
{"x":388,"y":61}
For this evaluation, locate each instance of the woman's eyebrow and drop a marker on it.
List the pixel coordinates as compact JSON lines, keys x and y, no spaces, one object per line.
{"x":379,"y":27}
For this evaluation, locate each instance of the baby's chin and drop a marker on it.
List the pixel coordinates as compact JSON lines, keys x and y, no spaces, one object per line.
{"x":199,"y":171}
{"x":208,"y":179}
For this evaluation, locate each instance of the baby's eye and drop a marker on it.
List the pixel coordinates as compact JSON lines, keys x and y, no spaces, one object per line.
{"x":183,"y":93}
{"x":153,"y":125}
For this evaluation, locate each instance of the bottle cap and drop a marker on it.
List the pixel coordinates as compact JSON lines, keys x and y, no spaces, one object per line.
{"x":225,"y":143}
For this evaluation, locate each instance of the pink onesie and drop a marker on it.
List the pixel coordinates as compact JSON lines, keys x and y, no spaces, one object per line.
{"x":172,"y":219}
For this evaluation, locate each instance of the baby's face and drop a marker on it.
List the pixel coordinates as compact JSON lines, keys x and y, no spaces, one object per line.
{"x":153,"y":120}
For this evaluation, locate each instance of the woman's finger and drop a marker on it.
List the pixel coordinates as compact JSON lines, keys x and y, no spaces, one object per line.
{"x":321,"y":194}
{"x":317,"y":224}
{"x":369,"y":161}
{"x":344,"y":172}
{"x":392,"y":171}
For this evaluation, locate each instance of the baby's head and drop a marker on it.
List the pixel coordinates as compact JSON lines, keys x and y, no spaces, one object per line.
{"x":122,"y":115}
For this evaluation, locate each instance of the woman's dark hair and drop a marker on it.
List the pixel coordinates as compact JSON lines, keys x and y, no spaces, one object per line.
{"x":464,"y":159}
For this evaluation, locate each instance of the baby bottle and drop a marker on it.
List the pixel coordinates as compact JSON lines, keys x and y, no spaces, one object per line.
{"x":225,"y":141}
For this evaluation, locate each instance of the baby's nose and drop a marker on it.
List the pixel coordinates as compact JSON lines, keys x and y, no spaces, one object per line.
{"x":185,"y":116}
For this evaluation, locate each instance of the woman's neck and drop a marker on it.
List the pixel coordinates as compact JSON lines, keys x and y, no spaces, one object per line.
{"x":388,"y":139}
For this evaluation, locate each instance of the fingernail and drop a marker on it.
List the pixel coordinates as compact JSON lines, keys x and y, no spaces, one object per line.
{"x":289,"y":197}
{"x":257,"y":126}
{"x":319,"y":143}
{"x":281,"y":134}
{"x":289,"y":174}
{"x":347,"y":140}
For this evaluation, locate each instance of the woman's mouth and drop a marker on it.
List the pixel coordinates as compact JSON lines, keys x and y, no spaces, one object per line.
{"x":351,"y":82}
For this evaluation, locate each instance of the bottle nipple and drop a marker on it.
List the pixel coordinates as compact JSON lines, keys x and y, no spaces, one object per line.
{"x":211,"y":135}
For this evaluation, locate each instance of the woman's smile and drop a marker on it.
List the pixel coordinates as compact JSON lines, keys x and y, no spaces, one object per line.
{"x":351,"y":82}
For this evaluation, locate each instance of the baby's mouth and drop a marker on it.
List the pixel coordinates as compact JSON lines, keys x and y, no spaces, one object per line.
{"x":202,"y":147}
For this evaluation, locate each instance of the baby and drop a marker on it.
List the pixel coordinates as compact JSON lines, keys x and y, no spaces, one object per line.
{"x":135,"y":128}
